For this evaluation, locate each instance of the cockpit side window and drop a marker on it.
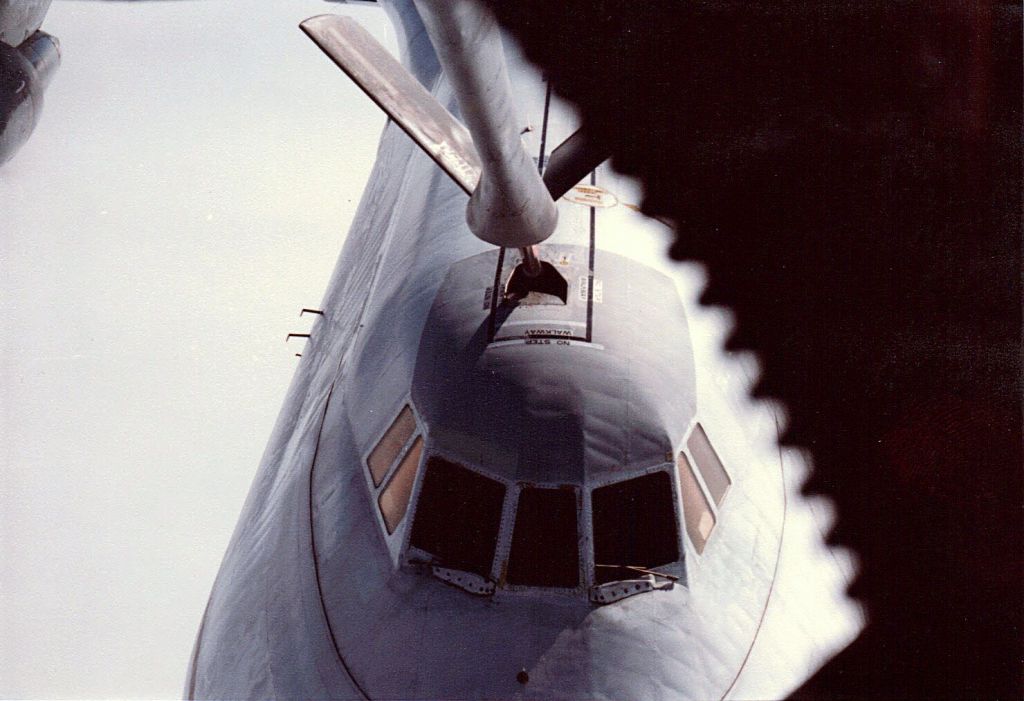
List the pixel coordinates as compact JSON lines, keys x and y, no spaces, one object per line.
{"x":394,"y":499}
{"x":391,"y":444}
{"x":458,"y":516}
{"x":392,"y":466}
{"x":700,"y":520}
{"x":710,"y":466}
{"x":634,"y":526}
{"x":545,"y":544}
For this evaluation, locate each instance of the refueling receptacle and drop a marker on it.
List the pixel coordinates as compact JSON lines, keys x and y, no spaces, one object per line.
{"x":536,"y":277}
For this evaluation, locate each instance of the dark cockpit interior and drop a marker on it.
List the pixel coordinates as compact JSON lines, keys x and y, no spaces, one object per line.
{"x":545,"y":541}
{"x":634,"y":527}
{"x":458,"y":516}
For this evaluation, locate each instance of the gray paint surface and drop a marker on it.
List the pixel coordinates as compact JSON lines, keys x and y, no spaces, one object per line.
{"x":543,"y":407}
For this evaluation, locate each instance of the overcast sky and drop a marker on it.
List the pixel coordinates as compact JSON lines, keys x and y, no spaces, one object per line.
{"x":186,"y":193}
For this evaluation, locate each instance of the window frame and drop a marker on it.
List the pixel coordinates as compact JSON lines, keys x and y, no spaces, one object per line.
{"x":410,"y":555}
{"x":698,"y":475}
{"x":402,"y":449}
{"x":676,"y":568}
{"x":508,"y":530}
{"x":709,"y":492}
{"x":404,"y":554}
{"x":394,"y":540}
{"x":417,"y":445}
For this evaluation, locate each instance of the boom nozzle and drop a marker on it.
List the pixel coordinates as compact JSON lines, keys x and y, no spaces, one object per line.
{"x":531,"y":262}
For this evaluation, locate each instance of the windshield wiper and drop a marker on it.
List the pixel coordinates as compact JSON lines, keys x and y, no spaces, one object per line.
{"x":642,"y":570}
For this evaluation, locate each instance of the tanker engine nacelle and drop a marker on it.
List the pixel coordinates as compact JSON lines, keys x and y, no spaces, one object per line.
{"x":28,"y":60}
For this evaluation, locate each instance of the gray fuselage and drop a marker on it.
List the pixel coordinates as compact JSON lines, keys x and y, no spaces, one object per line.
{"x":453,"y":469}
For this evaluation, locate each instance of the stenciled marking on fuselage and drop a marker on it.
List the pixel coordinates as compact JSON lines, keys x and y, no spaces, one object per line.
{"x":543,"y":329}
{"x":574,"y":341}
{"x":591,"y":196}
{"x":584,"y":290}
{"x":548,"y":332}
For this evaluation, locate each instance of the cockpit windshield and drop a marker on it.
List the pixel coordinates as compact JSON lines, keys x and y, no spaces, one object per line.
{"x":458,"y":516}
{"x":545,"y":544}
{"x":634,"y":527}
{"x":483,"y":533}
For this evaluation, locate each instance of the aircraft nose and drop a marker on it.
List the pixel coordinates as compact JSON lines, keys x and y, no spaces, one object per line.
{"x":649,"y":646}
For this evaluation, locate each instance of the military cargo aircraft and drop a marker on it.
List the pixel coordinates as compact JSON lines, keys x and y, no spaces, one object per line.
{"x":499,"y":471}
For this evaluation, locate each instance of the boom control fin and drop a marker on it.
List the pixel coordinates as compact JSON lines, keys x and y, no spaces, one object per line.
{"x":572,"y":161}
{"x":399,"y":94}
{"x":423,"y":118}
